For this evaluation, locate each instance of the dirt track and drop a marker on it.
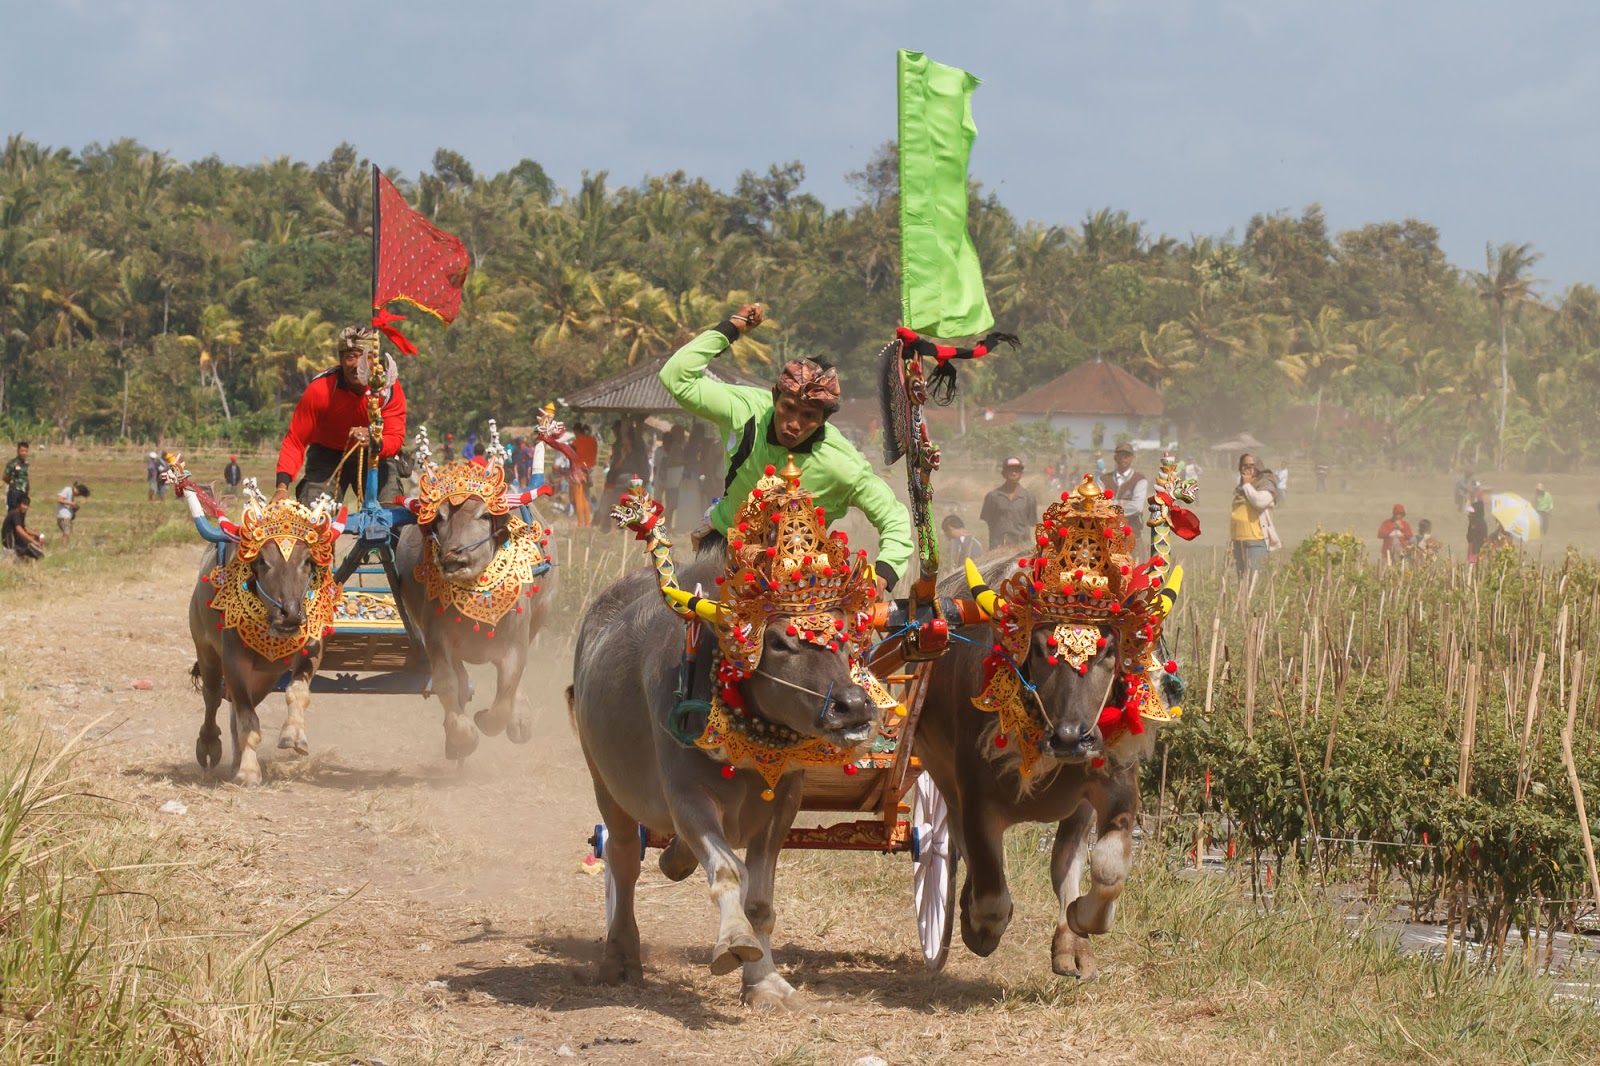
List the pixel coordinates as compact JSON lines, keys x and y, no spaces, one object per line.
{"x":475,"y":925}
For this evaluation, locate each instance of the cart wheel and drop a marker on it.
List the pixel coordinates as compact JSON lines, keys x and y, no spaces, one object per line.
{"x":934,"y":871}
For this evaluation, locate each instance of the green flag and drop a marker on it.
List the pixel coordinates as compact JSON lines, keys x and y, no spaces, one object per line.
{"x":941,"y":281}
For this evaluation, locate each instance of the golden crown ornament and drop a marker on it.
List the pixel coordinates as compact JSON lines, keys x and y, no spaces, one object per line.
{"x":1082,"y":583}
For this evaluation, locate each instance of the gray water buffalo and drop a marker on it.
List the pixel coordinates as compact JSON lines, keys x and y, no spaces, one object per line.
{"x":465,"y":538}
{"x":987,"y":794}
{"x":624,"y":677}
{"x":283,"y":583}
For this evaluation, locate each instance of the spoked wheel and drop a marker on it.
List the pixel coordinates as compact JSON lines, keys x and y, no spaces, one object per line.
{"x":934,"y":873}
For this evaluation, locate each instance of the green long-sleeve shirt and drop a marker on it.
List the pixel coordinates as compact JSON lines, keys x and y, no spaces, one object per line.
{"x":832,"y":470}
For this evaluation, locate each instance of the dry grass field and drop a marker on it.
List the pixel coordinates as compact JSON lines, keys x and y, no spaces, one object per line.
{"x":375,"y":903}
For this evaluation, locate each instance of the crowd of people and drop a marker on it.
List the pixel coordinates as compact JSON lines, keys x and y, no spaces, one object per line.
{"x":16,"y":536}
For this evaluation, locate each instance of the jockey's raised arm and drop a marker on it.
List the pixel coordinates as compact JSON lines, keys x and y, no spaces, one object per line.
{"x":768,"y":426}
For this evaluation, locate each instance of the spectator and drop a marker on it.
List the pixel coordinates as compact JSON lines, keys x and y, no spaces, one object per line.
{"x":1464,"y":487}
{"x":1543,"y":503}
{"x":1009,"y":510}
{"x":959,"y":544}
{"x":1323,"y":470}
{"x":68,"y":500}
{"x":15,"y":534}
{"x":449,"y":447}
{"x":232,"y":476}
{"x":469,"y":450}
{"x":1253,"y":500}
{"x":1425,"y":545}
{"x":1477,"y":524}
{"x":16,"y":475}
{"x":1128,"y":487}
{"x":1099,"y":465}
{"x":1191,"y":470}
{"x":1283,"y":482}
{"x":587,"y":447}
{"x":1395,"y":535}
{"x":669,"y":471}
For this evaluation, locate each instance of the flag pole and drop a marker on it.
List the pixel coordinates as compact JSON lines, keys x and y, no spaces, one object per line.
{"x":375,"y":227}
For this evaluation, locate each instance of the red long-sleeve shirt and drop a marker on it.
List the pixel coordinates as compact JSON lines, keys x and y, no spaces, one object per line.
{"x":327,"y":413}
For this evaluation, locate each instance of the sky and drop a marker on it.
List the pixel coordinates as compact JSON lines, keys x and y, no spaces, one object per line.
{"x":1192,"y":116}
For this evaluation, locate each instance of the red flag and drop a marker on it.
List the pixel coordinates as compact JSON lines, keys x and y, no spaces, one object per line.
{"x":416,"y":261}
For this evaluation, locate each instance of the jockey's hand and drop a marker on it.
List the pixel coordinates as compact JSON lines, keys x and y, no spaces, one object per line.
{"x":281,"y":494}
{"x":747,"y":318}
{"x":358,"y":434}
{"x":882,"y":586}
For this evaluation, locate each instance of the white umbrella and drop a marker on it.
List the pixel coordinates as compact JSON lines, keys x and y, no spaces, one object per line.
{"x":1515,"y":515}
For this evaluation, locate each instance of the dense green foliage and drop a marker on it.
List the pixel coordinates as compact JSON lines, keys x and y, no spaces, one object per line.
{"x":1348,"y":761}
{"x":143,"y":298}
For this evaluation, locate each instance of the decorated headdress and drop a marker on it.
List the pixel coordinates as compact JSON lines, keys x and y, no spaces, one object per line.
{"x":1082,"y":581}
{"x":359,"y":338}
{"x":783,"y":563}
{"x":286,"y":523}
{"x":810,"y":381}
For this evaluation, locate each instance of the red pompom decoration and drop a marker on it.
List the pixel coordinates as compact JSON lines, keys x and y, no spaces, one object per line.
{"x":1000,"y":741}
{"x":850,"y":769}
{"x":727,"y":772}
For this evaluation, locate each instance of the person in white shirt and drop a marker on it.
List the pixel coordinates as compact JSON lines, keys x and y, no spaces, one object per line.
{"x":68,"y":500}
{"x":1128,"y":486}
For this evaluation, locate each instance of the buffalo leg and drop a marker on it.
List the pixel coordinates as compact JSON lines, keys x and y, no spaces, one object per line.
{"x":763,"y":985}
{"x":501,"y":715}
{"x":1093,"y":912}
{"x":449,"y":684}
{"x":208,"y":745}
{"x":698,"y":819}
{"x":1070,"y":954}
{"x":246,"y":738}
{"x":621,"y":961}
{"x":298,"y":698}
{"x":985,"y":899}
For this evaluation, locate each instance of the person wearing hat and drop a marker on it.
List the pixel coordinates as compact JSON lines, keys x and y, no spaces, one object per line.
{"x":767,"y":427}
{"x":232,"y":476}
{"x":331,"y":418}
{"x":1127,"y":486}
{"x":959,"y":545}
{"x":1395,"y":533}
{"x":1010,"y":510}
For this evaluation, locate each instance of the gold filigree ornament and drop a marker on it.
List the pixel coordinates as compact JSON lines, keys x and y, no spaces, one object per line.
{"x":784,"y":565}
{"x":283,"y":524}
{"x":509,"y":577}
{"x":1084,"y":584}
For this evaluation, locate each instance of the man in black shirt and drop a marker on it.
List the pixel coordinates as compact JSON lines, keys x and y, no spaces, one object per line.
{"x":1010,"y":511}
{"x":15,"y":534}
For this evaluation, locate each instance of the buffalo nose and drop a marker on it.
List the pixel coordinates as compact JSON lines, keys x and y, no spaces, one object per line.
{"x":850,"y":707}
{"x":1076,"y":741}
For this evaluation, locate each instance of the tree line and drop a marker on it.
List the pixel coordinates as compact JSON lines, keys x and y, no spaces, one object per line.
{"x":144,"y":298}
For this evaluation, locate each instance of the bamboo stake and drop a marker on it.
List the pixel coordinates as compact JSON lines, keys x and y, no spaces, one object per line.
{"x":1469,"y":733}
{"x":1572,"y":777}
{"x":1524,"y":770}
{"x":1211,"y":666}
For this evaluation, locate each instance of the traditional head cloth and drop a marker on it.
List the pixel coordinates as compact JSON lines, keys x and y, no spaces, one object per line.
{"x":810,"y":382}
{"x":358,"y":338}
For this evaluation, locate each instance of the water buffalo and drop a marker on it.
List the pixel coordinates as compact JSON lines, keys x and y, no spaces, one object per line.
{"x":466,"y":538}
{"x":625,"y":674}
{"x":980,"y":780}
{"x":285,"y":583}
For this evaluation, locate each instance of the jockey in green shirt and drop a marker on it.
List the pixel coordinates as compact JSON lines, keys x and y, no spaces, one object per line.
{"x":791,"y":419}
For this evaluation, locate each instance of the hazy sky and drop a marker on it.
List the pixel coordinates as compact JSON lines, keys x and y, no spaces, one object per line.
{"x":1476,"y":117}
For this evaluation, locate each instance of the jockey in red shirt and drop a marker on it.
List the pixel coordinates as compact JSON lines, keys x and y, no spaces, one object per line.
{"x":332,"y":415}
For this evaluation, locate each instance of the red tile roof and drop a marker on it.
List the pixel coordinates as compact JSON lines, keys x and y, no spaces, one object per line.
{"x":1092,"y":388}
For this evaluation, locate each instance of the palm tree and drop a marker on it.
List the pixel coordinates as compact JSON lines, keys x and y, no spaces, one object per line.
{"x":218,"y":335}
{"x":1504,"y":282}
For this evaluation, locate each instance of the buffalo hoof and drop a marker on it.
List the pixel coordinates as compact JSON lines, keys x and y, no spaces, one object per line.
{"x":460,"y":738}
{"x":982,"y":932}
{"x":774,"y":993}
{"x":677,"y":860}
{"x":1078,"y":920}
{"x":248,"y":776}
{"x":618,"y":971}
{"x":208,"y":751}
{"x":520,"y":729}
{"x":734,"y":952}
{"x":294,"y":740}
{"x":489,"y":723}
{"x":1072,"y":956}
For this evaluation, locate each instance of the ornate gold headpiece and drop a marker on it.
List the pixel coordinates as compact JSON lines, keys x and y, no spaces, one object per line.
{"x":455,"y":482}
{"x":1083,"y":578}
{"x":782,"y":562}
{"x":287,"y":523}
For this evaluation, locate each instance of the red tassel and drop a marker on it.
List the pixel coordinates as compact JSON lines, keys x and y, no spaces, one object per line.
{"x":383,"y":319}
